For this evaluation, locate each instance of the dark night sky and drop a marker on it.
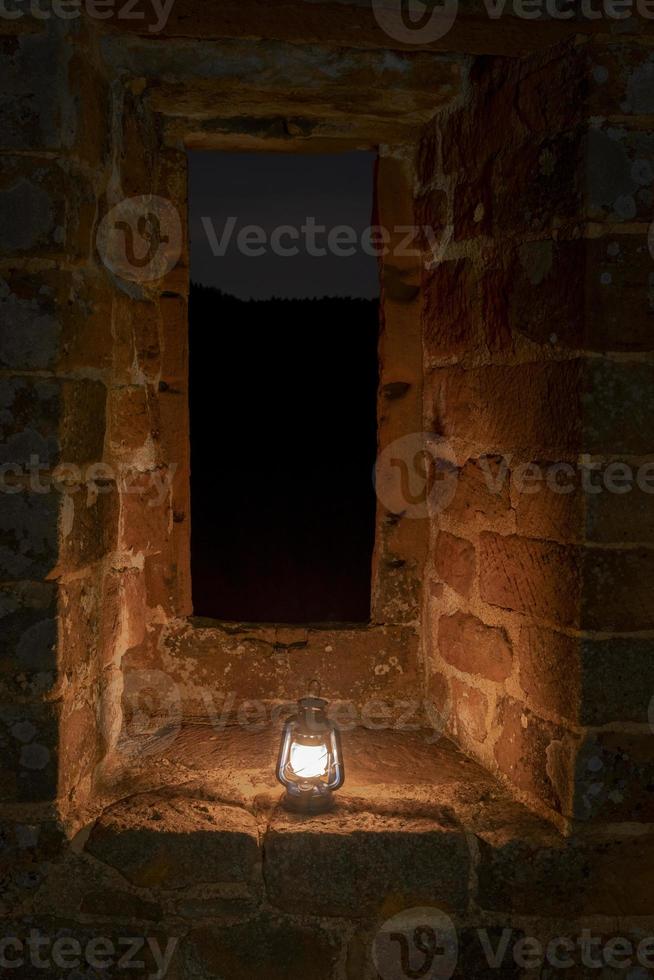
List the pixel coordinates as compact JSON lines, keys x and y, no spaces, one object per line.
{"x":271,"y":189}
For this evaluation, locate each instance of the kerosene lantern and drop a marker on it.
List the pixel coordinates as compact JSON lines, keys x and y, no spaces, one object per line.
{"x":310,"y":763}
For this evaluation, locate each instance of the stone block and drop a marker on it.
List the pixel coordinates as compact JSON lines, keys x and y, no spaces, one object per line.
{"x":614,"y":778}
{"x":28,"y":612}
{"x":537,"y":578}
{"x":38,"y":105}
{"x":29,"y":752}
{"x":586,"y":681}
{"x":464,"y":310}
{"x":270,"y":946}
{"x":474,"y":648}
{"x":553,"y":876}
{"x":348,"y":865}
{"x":47,"y":421}
{"x":29,"y":529}
{"x":620,"y":173}
{"x":613,"y":310}
{"x":482,"y":492}
{"x":618,"y":406}
{"x":469,"y":712}
{"x":169,"y":843}
{"x":54,"y":320}
{"x":454,"y":562}
{"x":617,"y":593}
{"x":47,"y":208}
{"x":524,"y":409}
{"x":621,"y":77}
{"x":535,"y":755}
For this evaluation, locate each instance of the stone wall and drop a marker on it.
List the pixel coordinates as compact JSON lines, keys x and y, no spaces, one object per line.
{"x":537,"y":615}
{"x":55,"y":360}
{"x":538,"y":349}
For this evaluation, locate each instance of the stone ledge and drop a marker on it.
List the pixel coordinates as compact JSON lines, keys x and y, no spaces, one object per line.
{"x":178,"y":842}
{"x":417,"y":823}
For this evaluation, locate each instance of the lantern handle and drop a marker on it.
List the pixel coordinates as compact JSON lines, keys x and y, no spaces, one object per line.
{"x":314,"y":688}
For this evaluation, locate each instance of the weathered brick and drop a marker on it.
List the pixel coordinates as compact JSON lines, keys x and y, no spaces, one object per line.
{"x":51,"y":420}
{"x":29,"y":752}
{"x":474,"y":648}
{"x":549,"y":501}
{"x":537,"y":183}
{"x":89,"y":525}
{"x":469,"y":711}
{"x":593,"y":501}
{"x":587,"y":681}
{"x":174,"y":317}
{"x":82,"y":604}
{"x":451,"y":313}
{"x":54,"y":320}
{"x":533,"y":873}
{"x":29,"y":635}
{"x":535,"y":755}
{"x":356,"y":665}
{"x":269,"y":945}
{"x":592,"y":588}
{"x":47,"y":208}
{"x":29,"y":528}
{"x":482,"y":491}
{"x":544,"y":874}
{"x":80,"y":750}
{"x":539,"y":578}
{"x":617,"y":592}
{"x":131,"y":422}
{"x":614,"y":778}
{"x":621,"y":74}
{"x":348,"y":865}
{"x":464,"y":310}
{"x":618,"y":406}
{"x":145,"y":510}
{"x":454,"y":561}
{"x":620,"y":173}
{"x":38,"y":106}
{"x":500,"y":409}
{"x":615,"y":518}
{"x":613,"y":310}
{"x":120,"y":904}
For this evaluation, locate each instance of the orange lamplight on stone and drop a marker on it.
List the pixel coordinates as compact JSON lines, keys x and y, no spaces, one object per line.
{"x":310,"y":763}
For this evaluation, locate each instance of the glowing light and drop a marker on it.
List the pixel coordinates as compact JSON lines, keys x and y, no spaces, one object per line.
{"x":309,"y":761}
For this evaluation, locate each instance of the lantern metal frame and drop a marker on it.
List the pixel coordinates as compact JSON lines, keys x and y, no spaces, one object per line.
{"x":310,"y":726}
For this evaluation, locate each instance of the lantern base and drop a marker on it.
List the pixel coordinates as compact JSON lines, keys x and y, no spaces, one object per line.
{"x":311,"y":801}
